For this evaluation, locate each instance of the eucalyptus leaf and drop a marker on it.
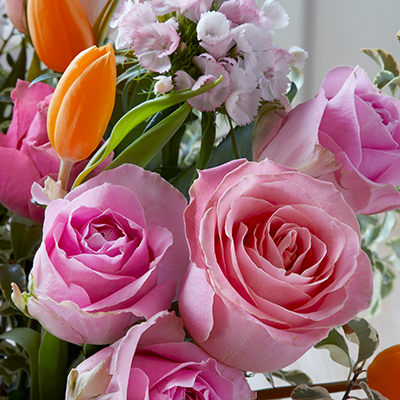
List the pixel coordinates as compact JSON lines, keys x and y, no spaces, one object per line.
{"x":134,"y":117}
{"x":143,"y":149}
{"x":372,"y":394}
{"x":337,"y":347}
{"x":53,"y":355}
{"x":30,"y":341}
{"x":366,"y":338}
{"x":384,"y":59}
{"x":306,"y":393}
{"x":383,"y":78}
{"x":293,"y":377}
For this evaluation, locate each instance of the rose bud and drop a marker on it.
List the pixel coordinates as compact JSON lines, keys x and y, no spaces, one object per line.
{"x":383,"y":372}
{"x":59,"y":30}
{"x":82,"y":104}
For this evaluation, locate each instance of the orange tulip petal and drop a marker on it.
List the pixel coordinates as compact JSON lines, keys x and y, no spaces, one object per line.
{"x":59,"y":31}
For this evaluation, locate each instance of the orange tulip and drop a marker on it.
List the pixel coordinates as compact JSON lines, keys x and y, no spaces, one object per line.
{"x":384,"y":372}
{"x":59,"y":30}
{"x":82,"y":103}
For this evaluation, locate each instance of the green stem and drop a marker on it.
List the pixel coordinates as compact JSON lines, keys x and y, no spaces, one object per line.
{"x":285,"y":391}
{"x":234,"y":142}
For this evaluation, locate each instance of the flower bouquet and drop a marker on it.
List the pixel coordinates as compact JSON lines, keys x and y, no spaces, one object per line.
{"x":170,"y":225}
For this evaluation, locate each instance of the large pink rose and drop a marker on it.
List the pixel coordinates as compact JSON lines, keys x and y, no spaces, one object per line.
{"x":26,"y":153}
{"x":348,"y":135}
{"x":153,"y":362}
{"x":113,"y":252}
{"x":276,"y":264}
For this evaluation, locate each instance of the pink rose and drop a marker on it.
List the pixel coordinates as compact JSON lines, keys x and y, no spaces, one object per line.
{"x":153,"y":362}
{"x":361,"y":127}
{"x":26,"y":153}
{"x":348,"y":135}
{"x":113,"y":252}
{"x":276,"y":264}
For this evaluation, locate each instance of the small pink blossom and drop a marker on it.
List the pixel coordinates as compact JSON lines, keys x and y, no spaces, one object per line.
{"x":274,"y":81}
{"x":128,"y":19}
{"x":276,"y":13}
{"x":163,"y":84}
{"x":153,"y":44}
{"x":162,"y":7}
{"x":194,"y":8}
{"x":215,"y":97}
{"x":244,"y":100}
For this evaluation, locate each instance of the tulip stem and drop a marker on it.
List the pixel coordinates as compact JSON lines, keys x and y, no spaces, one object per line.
{"x":285,"y":391}
{"x":63,"y":173}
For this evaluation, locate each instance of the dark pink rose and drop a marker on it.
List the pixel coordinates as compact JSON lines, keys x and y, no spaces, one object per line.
{"x":349,"y":134}
{"x":153,"y":362}
{"x":113,"y":252}
{"x":276,"y":264}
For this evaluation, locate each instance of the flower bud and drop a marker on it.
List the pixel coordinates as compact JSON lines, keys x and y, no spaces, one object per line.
{"x":59,"y":30}
{"x":384,"y":371}
{"x":82,"y":104}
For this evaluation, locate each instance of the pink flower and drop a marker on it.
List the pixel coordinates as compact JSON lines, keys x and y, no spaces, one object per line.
{"x":153,"y":362}
{"x":274,"y":81}
{"x":291,"y":138}
{"x":153,"y":43}
{"x":276,"y":264}
{"x":128,"y":19}
{"x":212,"y":70}
{"x":16,"y":14}
{"x":361,"y":127}
{"x":113,"y":252}
{"x":244,"y":100}
{"x":194,"y":8}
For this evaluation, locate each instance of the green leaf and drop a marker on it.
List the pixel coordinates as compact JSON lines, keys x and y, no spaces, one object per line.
{"x":30,"y":341}
{"x":131,"y":73}
{"x":364,"y":335}
{"x":25,"y":236}
{"x":366,"y":220}
{"x":306,"y":393}
{"x":143,"y":149}
{"x":291,"y":94}
{"x":371,"y":394}
{"x":394,"y":244}
{"x":134,"y":117}
{"x":383,"y":78}
{"x":293,"y":377}
{"x":384,"y":59}
{"x":53,"y":355}
{"x":34,"y":69}
{"x":11,"y":273}
{"x":184,"y":180}
{"x":224,"y":153}
{"x":45,"y":77}
{"x":337,"y":347}
{"x":101,"y":25}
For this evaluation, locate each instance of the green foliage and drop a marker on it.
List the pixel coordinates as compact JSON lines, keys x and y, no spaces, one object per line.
{"x":337,"y":347}
{"x":53,"y":357}
{"x":293,"y":377}
{"x":307,"y":393}
{"x":371,"y":394}
{"x":101,"y":24}
{"x":135,"y":117}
